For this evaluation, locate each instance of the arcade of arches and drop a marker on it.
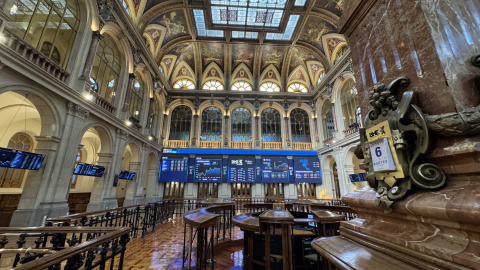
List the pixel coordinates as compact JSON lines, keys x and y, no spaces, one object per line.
{"x":125,"y":84}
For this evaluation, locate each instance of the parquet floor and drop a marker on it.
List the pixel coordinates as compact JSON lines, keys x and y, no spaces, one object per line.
{"x":163,"y":249}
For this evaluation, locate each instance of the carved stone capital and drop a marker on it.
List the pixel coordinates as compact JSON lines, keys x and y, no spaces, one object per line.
{"x":77,"y":110}
{"x":97,"y":35}
{"x":122,"y":134}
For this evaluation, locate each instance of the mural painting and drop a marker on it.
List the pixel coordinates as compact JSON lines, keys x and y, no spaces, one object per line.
{"x":174,"y":22}
{"x":184,"y":52}
{"x":273,"y":55}
{"x":243,"y":54}
{"x":315,"y":29}
{"x":334,"y":6}
{"x":299,"y":58}
{"x":212,"y":52}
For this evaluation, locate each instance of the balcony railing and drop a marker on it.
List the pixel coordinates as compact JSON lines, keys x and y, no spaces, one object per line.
{"x":35,"y":57}
{"x":272,"y":145}
{"x":178,"y":144}
{"x":351,"y":131}
{"x":242,"y":145}
{"x":302,"y":146}
{"x":210,"y":144}
{"x":107,"y":106}
{"x":328,"y":141}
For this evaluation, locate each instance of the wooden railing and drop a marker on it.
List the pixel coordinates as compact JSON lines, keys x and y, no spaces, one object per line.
{"x":107,"y":106}
{"x":301,"y":146}
{"x":178,"y":144}
{"x":63,"y":247}
{"x":328,"y":142}
{"x":272,"y":145}
{"x":351,"y":131}
{"x":142,"y":218}
{"x":210,"y":144}
{"x":37,"y":58}
{"x":242,"y":145}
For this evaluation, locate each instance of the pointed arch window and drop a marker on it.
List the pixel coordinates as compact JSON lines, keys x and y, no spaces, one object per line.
{"x":242,"y":86}
{"x":321,"y":76}
{"x":241,"y":125}
{"x":184,"y":84}
{"x":297,"y":88}
{"x":180,"y":123}
{"x":271,"y":126}
{"x":49,"y":26}
{"x":349,"y":100}
{"x":328,"y":124}
{"x":13,"y":178}
{"x":300,"y":126}
{"x":106,"y":69}
{"x":270,"y":87}
{"x":211,"y":124}
{"x":213,"y":85}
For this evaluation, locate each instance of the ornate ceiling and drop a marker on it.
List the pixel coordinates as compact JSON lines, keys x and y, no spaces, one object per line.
{"x":187,"y":45}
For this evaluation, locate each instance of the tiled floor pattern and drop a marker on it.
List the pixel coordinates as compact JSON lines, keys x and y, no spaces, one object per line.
{"x":163,"y":249}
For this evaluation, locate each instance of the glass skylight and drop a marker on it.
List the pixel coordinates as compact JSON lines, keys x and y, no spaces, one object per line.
{"x":260,"y":13}
{"x":300,"y":3}
{"x":287,"y":35}
{"x":243,"y":34}
{"x":201,"y":27}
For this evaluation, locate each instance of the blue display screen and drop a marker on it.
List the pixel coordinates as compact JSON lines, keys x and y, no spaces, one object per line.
{"x":208,"y":169}
{"x":307,"y":170}
{"x":359,"y":177}
{"x":89,"y":170}
{"x":173,"y":169}
{"x":126,"y":175}
{"x":20,"y":160}
{"x":6,"y":157}
{"x":241,"y":169}
{"x":275,"y":170}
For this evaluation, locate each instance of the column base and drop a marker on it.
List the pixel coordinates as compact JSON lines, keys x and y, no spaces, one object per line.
{"x":37,"y":216}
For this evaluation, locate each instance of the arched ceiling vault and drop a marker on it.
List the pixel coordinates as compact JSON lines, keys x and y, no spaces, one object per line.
{"x":176,"y":36}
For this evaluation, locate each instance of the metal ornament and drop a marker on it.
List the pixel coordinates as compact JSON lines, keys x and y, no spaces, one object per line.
{"x":401,"y":128}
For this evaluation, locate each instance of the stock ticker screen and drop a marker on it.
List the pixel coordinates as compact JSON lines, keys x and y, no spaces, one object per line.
{"x":307,"y":170}
{"x":275,"y":170}
{"x":208,"y":169}
{"x":241,"y":170}
{"x":173,"y":169}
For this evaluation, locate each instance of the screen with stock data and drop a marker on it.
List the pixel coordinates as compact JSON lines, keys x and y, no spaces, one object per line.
{"x":20,"y":160}
{"x":275,"y":170}
{"x":88,"y":170}
{"x":241,"y":169}
{"x":208,"y":169}
{"x":307,"y":170}
{"x":173,"y":169}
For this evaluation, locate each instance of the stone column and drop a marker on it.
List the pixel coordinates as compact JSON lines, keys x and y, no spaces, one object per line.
{"x":164,"y":130}
{"x":128,"y":94}
{"x":257,"y":132}
{"x":99,"y":198}
{"x":287,"y":133}
{"x":141,"y":179}
{"x":92,"y":52}
{"x":132,"y":185}
{"x":315,"y":121}
{"x":45,"y":192}
{"x":334,"y":116}
{"x":194,"y":136}
{"x":225,"y":136}
{"x":152,"y":185}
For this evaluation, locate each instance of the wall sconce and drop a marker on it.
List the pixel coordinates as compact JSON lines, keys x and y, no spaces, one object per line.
{"x":150,"y":137}
{"x":128,"y":123}
{"x":88,"y":96}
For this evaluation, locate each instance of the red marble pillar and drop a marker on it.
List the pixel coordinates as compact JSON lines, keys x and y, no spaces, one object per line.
{"x":194,"y":139}
{"x":92,"y":52}
{"x":315,"y":121}
{"x":128,"y":94}
{"x":257,"y":131}
{"x":334,"y":116}
{"x":287,"y":134}
{"x":225,"y":135}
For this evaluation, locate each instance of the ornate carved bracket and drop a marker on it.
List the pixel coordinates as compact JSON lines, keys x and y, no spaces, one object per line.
{"x":406,"y":138}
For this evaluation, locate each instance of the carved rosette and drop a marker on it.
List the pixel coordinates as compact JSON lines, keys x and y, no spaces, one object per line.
{"x":77,"y":110}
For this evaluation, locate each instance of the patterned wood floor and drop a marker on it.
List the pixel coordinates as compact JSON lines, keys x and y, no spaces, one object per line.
{"x":163,"y":249}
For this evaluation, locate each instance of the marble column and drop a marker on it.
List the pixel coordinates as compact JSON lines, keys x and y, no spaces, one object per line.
{"x":257,"y":132}
{"x":92,"y":52}
{"x":194,"y":136}
{"x":164,"y":130}
{"x":131,"y":188}
{"x":128,"y":94}
{"x":315,"y":121}
{"x":287,"y":133}
{"x":225,"y":135}
{"x":45,"y":192}
{"x":334,"y":116}
{"x":100,"y":197}
{"x":152,"y":192}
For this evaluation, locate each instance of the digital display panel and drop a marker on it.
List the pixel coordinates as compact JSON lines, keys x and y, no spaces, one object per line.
{"x":241,"y":169}
{"x":173,"y":169}
{"x":89,"y":170}
{"x":126,"y":175}
{"x":275,"y":170}
{"x":208,"y":169}
{"x":359,"y":177}
{"x":27,"y":161}
{"x":307,"y":170}
{"x":6,"y":157}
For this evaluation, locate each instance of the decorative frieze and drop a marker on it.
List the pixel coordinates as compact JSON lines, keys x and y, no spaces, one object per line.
{"x":77,"y":110}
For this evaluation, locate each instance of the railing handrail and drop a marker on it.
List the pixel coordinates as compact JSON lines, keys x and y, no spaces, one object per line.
{"x":67,"y":253}
{"x":58,"y":229}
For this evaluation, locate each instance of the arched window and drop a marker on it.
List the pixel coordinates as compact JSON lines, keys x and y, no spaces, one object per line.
{"x":297,"y":88}
{"x":106,"y":69}
{"x":328,"y":124}
{"x":75,"y":177}
{"x":241,"y":125}
{"x":270,"y":87}
{"x":125,"y":6}
{"x":184,"y":84}
{"x":213,"y":85}
{"x":350,"y":104}
{"x":136,"y":99}
{"x":12,"y":178}
{"x":340,"y":54}
{"x":300,"y":126}
{"x":211,"y":125}
{"x":180,"y":123}
{"x":271,"y":126}
{"x":46,"y":25}
{"x":241,"y":86}
{"x":321,"y":77}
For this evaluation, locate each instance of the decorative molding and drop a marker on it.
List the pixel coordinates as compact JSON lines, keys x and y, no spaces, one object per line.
{"x":77,"y":110}
{"x":122,"y":134}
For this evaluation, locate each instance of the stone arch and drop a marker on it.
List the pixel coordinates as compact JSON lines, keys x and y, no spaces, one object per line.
{"x":47,"y":108}
{"x":240,"y":104}
{"x":281,"y":110}
{"x":210,"y":103}
{"x":338,"y":87}
{"x":238,"y":76}
{"x":272,"y":104}
{"x":167,"y":64}
{"x":154,"y":34}
{"x":114,"y":31}
{"x":311,"y":120}
{"x":208,"y":74}
{"x":183,"y":71}
{"x":270,"y":74}
{"x":103,"y":134}
{"x":299,"y":75}
{"x":169,"y":110}
{"x":332,"y":48}
{"x":142,"y":69}
{"x":315,"y":68}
